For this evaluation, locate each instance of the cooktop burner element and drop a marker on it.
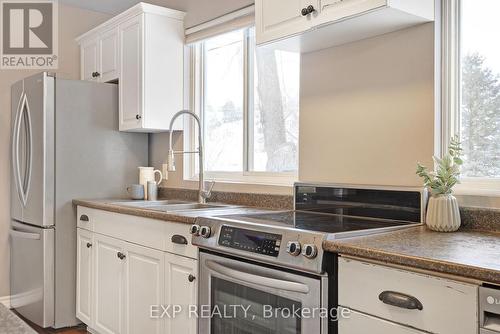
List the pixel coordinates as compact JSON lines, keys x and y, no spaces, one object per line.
{"x":294,"y":239}
{"x":318,"y":222}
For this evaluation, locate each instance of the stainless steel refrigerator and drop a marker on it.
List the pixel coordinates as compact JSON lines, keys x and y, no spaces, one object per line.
{"x":65,"y":145}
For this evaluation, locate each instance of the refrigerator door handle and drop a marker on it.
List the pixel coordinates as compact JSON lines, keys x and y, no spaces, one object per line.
{"x":15,"y":148}
{"x":23,"y":235}
{"x":24,"y":181}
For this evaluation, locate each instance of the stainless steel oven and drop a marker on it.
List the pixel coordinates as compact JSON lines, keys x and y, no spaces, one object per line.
{"x":246,"y":297}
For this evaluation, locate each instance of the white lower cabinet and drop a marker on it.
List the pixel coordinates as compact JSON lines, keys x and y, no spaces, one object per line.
{"x":123,"y":287}
{"x":359,"y":323}
{"x":108,"y":285}
{"x":395,"y":300}
{"x":84,"y":276}
{"x":181,"y":282}
{"x":144,"y":288}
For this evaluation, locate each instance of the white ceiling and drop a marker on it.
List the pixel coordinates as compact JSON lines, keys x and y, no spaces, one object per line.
{"x":198,"y":11}
{"x":105,"y":6}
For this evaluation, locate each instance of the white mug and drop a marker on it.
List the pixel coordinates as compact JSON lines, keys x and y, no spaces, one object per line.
{"x":148,"y":174}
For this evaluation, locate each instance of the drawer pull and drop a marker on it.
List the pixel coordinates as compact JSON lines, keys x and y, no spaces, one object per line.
{"x":179,"y":239}
{"x":400,"y":300}
{"x":84,"y":218}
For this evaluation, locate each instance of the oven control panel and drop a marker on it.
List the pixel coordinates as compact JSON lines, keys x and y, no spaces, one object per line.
{"x":250,"y":240}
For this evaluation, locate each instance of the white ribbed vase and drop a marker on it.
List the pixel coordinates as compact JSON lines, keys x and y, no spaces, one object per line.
{"x":443,"y":214}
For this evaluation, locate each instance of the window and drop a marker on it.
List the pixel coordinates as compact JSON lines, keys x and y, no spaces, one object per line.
{"x":248,"y":100}
{"x":473,"y":67}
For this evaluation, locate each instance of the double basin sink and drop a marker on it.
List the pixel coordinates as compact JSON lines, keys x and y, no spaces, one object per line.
{"x":172,"y":205}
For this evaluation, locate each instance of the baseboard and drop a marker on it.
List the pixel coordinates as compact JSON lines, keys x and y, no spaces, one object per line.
{"x":5,"y":301}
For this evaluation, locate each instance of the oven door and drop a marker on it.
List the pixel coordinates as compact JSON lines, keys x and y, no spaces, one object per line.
{"x":246,"y":298}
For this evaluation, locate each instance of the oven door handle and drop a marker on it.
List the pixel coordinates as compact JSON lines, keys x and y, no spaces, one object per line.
{"x":257,"y":279}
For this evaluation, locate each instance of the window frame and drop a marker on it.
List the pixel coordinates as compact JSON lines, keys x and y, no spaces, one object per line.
{"x":195,"y":80}
{"x":451,"y":82}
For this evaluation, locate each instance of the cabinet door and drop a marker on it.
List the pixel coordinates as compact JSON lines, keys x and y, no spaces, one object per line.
{"x":359,"y":323}
{"x":181,"y":282}
{"x":334,"y":10}
{"x":89,"y":53}
{"x":108,"y":285}
{"x":144,"y":289}
{"x":131,"y":73}
{"x":84,"y":276}
{"x":275,"y":19}
{"x":108,"y":46}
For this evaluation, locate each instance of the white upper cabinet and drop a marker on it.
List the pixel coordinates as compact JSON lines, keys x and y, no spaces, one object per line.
{"x":108,"y":55}
{"x":327,"y":23}
{"x":89,"y":54}
{"x":277,"y":18}
{"x":143,"y":50}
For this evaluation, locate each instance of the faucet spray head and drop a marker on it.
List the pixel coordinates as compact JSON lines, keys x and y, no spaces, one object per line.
{"x":171,"y":161}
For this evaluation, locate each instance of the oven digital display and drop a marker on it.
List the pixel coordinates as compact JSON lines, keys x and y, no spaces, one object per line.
{"x":250,"y":241}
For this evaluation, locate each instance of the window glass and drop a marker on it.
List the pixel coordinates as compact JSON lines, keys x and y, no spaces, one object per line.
{"x":223,"y":102}
{"x":249,"y":104}
{"x":275,"y":110}
{"x":480,"y":91}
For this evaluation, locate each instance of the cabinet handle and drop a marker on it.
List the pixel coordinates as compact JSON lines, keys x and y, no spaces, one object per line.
{"x":310,"y":9}
{"x":138,"y":117}
{"x":84,"y":218}
{"x":120,"y":255}
{"x":179,"y":239}
{"x":89,"y":245}
{"x":400,"y":300}
{"x":191,"y":277}
{"x":304,"y":12}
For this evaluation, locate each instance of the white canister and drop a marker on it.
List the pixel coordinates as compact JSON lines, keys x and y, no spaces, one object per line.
{"x":148,"y":174}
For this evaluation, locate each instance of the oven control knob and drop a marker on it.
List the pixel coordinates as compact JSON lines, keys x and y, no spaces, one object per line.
{"x":310,"y":251}
{"x":293,"y":248}
{"x":195,"y":229}
{"x":205,"y":231}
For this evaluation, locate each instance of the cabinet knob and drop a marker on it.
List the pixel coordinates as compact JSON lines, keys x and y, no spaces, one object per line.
{"x":138,"y":117}
{"x":191,"y":277}
{"x":120,"y":255}
{"x":310,"y":9}
{"x":304,"y":12}
{"x":96,"y":74}
{"x":89,"y":245}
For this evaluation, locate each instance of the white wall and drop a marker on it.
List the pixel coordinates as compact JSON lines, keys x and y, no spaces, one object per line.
{"x":367,"y":110}
{"x":72,"y":22}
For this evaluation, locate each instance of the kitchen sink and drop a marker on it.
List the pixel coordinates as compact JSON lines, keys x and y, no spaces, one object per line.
{"x":171,"y":205}
{"x":147,"y":204}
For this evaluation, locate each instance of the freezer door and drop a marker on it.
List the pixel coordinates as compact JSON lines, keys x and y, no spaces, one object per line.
{"x":32,"y":273}
{"x":32,"y":192}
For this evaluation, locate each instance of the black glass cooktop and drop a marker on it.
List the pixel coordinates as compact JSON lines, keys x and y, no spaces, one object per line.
{"x":320,"y":222}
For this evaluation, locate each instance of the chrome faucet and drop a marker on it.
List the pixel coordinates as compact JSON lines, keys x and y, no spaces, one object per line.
{"x":203,"y":194}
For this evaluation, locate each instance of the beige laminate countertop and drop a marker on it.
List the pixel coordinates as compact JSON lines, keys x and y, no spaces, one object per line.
{"x":470,"y":254}
{"x":185,"y":216}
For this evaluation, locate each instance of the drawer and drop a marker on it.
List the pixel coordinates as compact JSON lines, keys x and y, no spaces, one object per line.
{"x":84,"y":218}
{"x":359,"y":323}
{"x":447,"y":306}
{"x":174,"y":231}
{"x":146,"y":232}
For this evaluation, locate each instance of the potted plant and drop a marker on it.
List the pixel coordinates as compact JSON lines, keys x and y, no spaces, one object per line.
{"x":443,"y":214}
